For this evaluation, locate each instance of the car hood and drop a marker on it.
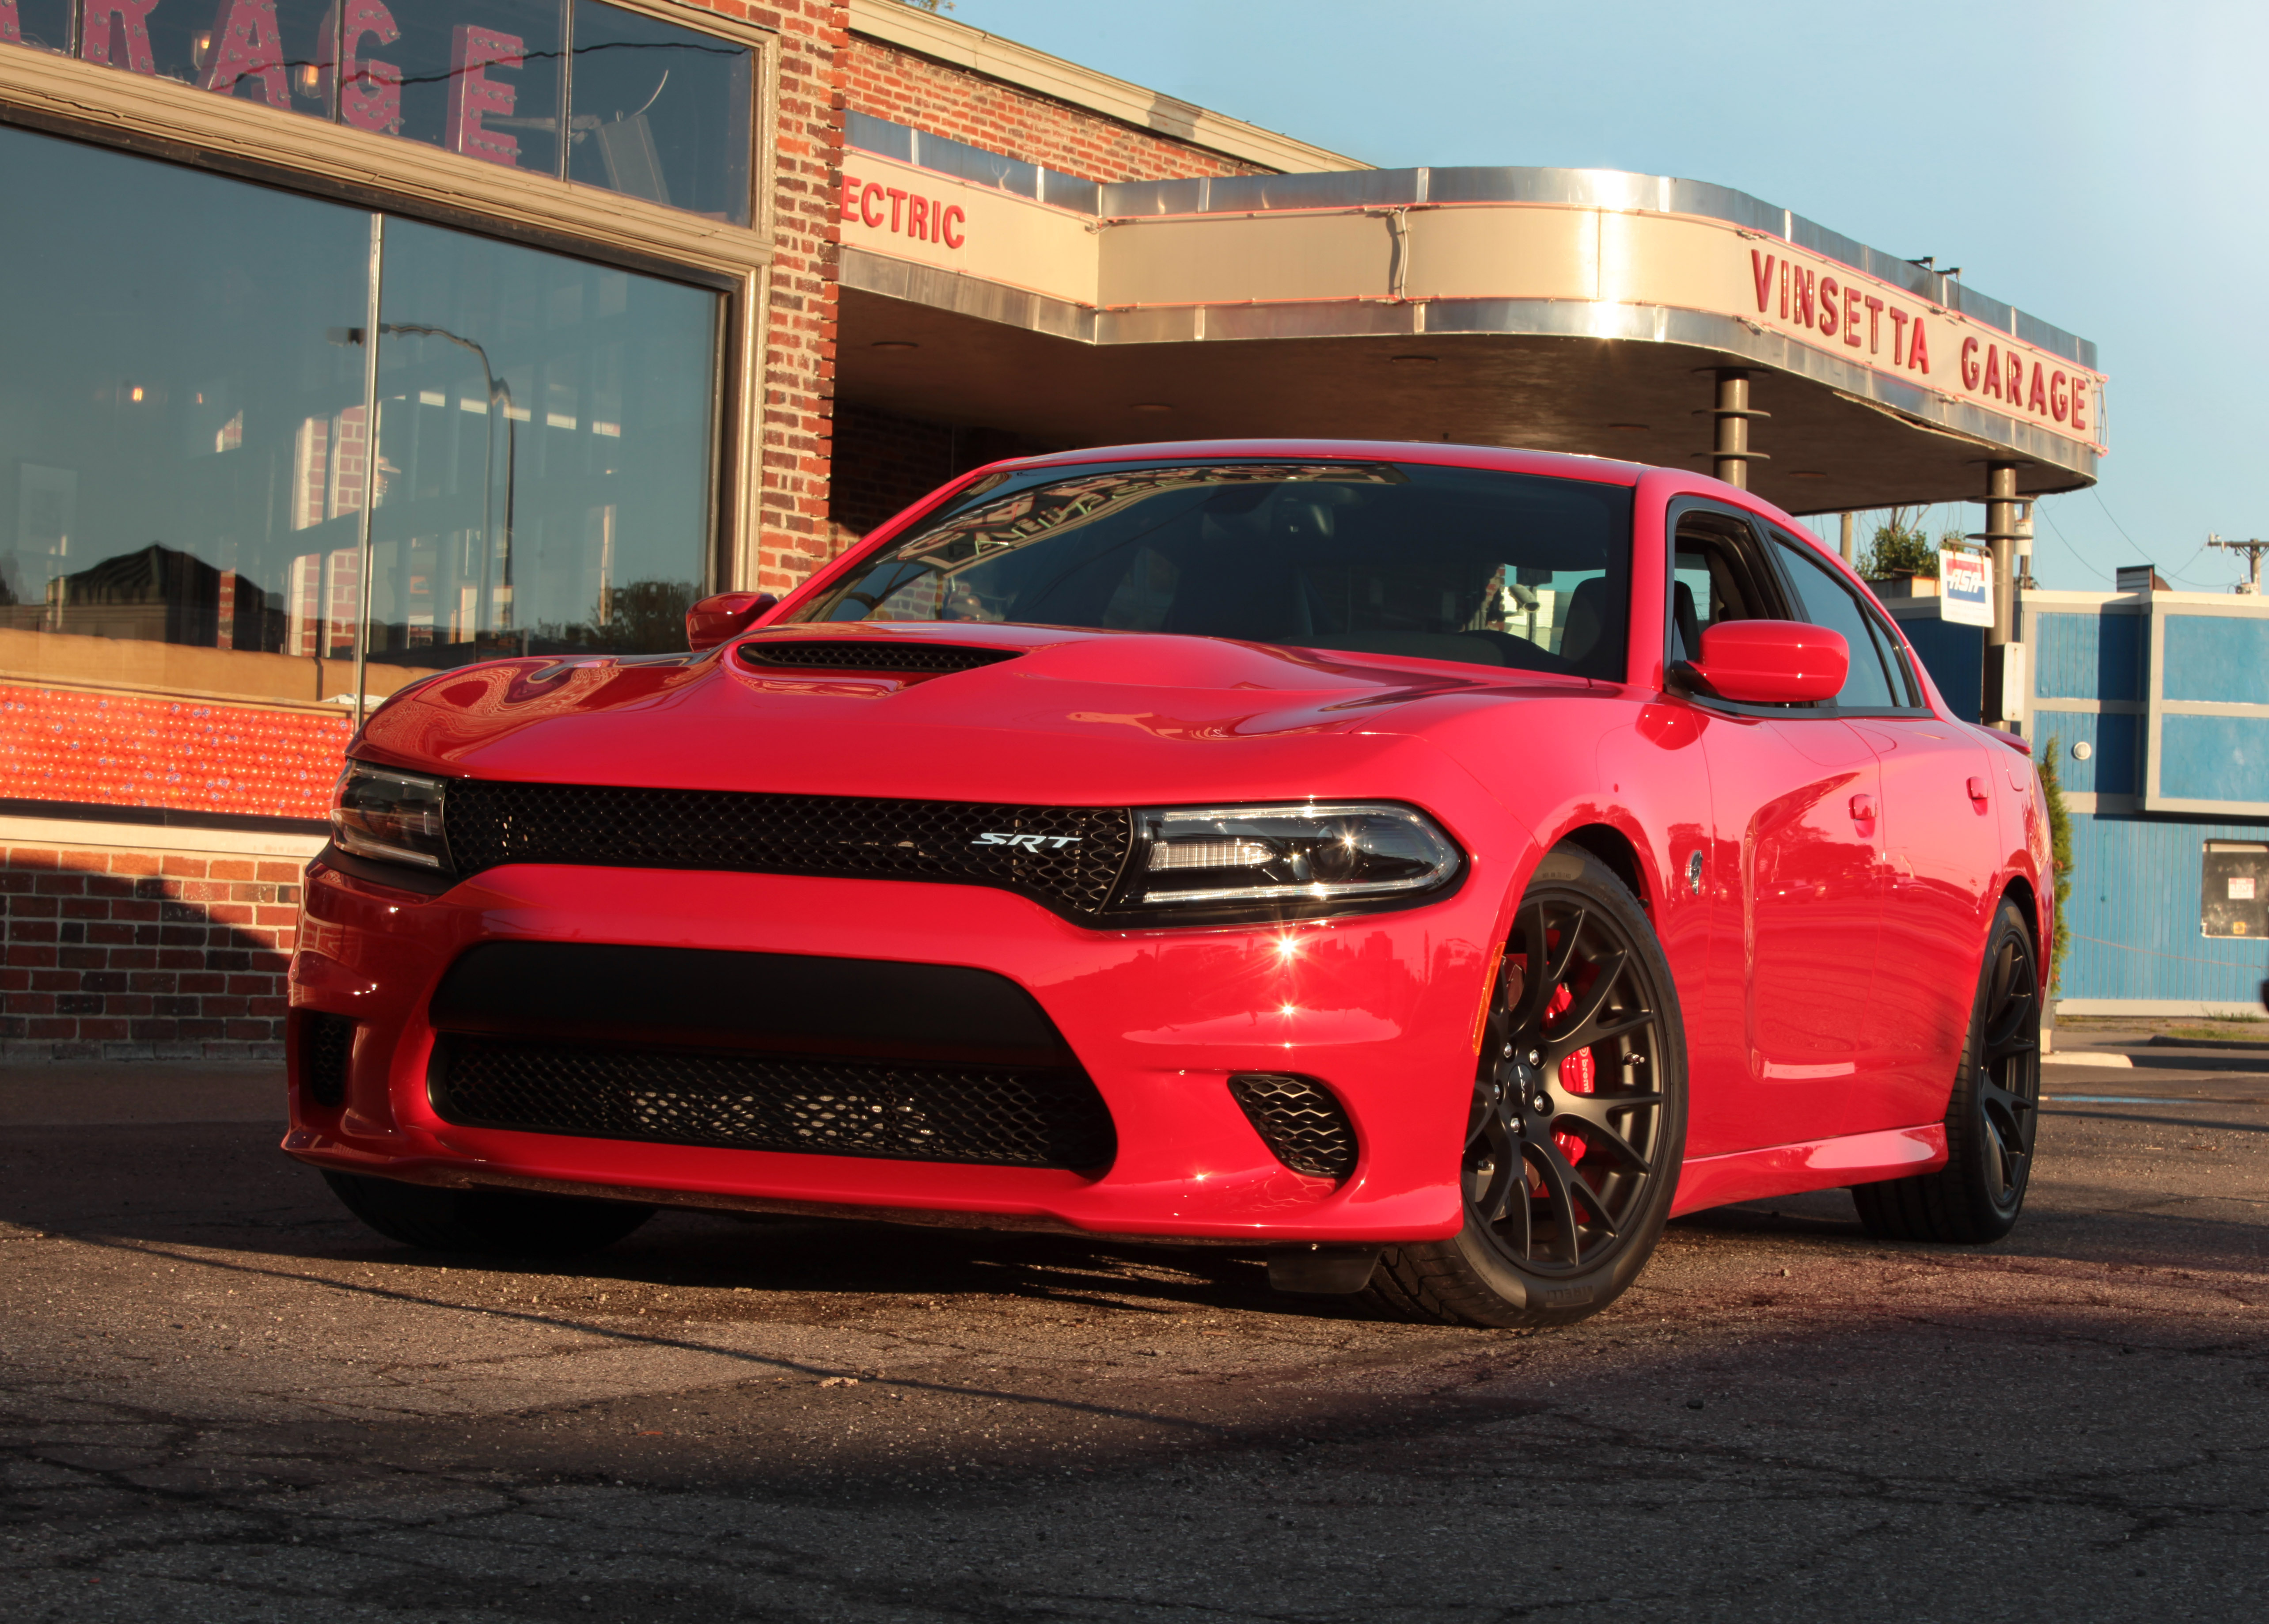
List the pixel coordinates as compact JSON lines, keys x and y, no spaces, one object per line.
{"x":1050,"y":717}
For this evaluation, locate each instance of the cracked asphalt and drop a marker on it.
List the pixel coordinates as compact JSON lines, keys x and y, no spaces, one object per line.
{"x":221,"y":1400}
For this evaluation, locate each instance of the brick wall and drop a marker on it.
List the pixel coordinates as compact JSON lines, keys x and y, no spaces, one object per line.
{"x":799,"y":383}
{"x":945,"y":100}
{"x":145,"y":954}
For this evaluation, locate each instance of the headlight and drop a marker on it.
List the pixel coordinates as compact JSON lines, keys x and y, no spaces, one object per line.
{"x":1307,"y":857}
{"x":394,"y":817}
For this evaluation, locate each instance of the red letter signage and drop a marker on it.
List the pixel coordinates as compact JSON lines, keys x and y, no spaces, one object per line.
{"x":370,"y":92}
{"x":473,"y":51}
{"x":245,"y":41}
{"x":133,"y":19}
{"x":12,"y":32}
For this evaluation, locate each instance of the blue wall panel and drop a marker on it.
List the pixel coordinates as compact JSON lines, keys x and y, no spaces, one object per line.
{"x":2133,"y":915}
{"x":2213,"y":757}
{"x":1955,"y":656}
{"x":2218,"y":657}
{"x":2110,"y":768}
{"x":2088,"y":656}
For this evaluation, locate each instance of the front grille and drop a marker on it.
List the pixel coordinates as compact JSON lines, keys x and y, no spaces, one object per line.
{"x":1301,"y":1122}
{"x":1065,"y":858}
{"x":995,"y":1115}
{"x":326,"y":1044}
{"x":871,"y":654}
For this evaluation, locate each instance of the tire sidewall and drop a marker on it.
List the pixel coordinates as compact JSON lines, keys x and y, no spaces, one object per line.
{"x":1968,"y":1137}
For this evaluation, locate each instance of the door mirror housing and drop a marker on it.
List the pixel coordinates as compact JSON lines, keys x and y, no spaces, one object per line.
{"x":727,"y":615}
{"x":1770,"y":662}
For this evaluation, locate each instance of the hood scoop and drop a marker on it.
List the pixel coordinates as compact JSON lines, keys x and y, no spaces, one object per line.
{"x":906,"y":656}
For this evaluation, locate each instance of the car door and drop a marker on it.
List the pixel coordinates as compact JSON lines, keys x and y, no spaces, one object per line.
{"x":1794,"y":878}
{"x":1939,"y":825}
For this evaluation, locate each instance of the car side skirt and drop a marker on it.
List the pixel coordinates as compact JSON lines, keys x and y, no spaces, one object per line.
{"x":1817,"y":1164}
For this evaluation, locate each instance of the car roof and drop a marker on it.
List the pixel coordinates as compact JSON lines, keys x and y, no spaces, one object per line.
{"x":1564,"y":465}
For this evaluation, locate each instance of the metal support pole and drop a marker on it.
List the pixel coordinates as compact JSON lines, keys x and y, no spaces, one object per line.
{"x":1730,"y":455}
{"x":1850,"y":552}
{"x":369,"y":464}
{"x":2001,"y":534}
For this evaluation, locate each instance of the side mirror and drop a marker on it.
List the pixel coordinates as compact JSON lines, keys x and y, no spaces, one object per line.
{"x":727,"y":615}
{"x":1770,"y":661}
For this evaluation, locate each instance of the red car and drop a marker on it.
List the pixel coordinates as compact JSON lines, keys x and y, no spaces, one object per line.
{"x":1436,"y":865}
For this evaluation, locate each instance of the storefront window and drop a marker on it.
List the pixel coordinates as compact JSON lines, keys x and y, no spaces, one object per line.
{"x":660,"y":112}
{"x":43,"y":25}
{"x":184,"y":438}
{"x":543,"y":441}
{"x":655,"y":111}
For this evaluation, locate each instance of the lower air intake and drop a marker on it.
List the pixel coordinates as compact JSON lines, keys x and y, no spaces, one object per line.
{"x":326,"y":1044}
{"x":1302,"y":1123}
{"x":990,"y":1115}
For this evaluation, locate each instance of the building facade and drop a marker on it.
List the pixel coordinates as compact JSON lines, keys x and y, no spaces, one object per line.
{"x":348,"y":341}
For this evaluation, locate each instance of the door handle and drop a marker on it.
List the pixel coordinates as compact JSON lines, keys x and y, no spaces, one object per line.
{"x":1863,"y":808}
{"x":1979,"y":790}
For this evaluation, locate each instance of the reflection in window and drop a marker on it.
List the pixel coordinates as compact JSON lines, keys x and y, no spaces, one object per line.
{"x":185,"y":447}
{"x":544,"y":436}
{"x":1436,"y":563}
{"x":659,"y":112}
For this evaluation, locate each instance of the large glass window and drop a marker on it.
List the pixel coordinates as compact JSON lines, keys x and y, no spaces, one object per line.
{"x":651,"y":109}
{"x":1388,"y":558}
{"x":184,"y":438}
{"x":544,"y":440}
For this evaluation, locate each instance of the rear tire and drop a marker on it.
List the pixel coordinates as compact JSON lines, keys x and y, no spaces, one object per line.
{"x":1990,"y":1118}
{"x":1578,"y":1121}
{"x":485,"y":1222}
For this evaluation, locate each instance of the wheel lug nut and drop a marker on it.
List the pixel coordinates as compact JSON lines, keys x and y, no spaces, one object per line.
{"x":1507,"y":1052}
{"x":1535,"y":1058}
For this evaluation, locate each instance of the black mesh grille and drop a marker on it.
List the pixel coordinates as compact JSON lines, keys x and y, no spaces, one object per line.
{"x":326,"y":1042}
{"x":1065,"y":857}
{"x":871,"y":654}
{"x":998,"y":1116}
{"x":1304,"y":1127}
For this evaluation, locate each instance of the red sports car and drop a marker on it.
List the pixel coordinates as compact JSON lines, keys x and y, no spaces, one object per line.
{"x":1436,"y":865}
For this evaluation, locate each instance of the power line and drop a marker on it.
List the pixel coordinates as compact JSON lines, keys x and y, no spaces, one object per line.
{"x":2042,"y":508}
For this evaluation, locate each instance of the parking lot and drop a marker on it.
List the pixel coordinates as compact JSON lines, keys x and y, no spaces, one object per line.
{"x":225,"y":1400}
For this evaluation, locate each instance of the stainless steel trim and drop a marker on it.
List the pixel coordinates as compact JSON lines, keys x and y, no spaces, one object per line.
{"x":1615,"y":190}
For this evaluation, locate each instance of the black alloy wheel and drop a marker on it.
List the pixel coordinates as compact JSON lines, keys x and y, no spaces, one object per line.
{"x":1578,"y":1123}
{"x":1992,"y":1114}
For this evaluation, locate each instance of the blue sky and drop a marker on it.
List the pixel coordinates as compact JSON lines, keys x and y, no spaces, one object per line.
{"x":2103,"y":166}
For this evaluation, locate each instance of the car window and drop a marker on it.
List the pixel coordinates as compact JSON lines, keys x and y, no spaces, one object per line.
{"x":1471,"y":564}
{"x":1716,"y":576}
{"x":1827,"y":601}
{"x":1895,"y":660}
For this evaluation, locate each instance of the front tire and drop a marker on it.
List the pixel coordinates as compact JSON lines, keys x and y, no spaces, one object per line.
{"x":485,"y":1222}
{"x":1579,"y":1120}
{"x":1990,"y":1118}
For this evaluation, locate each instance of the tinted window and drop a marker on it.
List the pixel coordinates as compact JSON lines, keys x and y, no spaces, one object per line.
{"x":1438,"y":562}
{"x":1716,"y":576}
{"x":1829,"y":603}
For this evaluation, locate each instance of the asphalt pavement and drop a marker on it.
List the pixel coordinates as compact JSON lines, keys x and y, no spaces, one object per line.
{"x":221,"y":1400}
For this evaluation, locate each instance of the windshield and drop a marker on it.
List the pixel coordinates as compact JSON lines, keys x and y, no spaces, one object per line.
{"x":1441,"y":563}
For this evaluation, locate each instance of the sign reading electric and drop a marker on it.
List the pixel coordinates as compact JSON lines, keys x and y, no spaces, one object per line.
{"x":907,"y":214}
{"x":1811,"y":299}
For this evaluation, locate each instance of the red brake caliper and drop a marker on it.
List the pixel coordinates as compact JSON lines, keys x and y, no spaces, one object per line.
{"x":1578,"y":1075}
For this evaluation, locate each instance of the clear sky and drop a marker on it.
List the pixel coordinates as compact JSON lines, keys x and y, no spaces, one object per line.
{"x":2102,"y":167}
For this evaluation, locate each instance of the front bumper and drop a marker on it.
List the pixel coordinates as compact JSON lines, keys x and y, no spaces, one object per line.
{"x":1380,"y":1008}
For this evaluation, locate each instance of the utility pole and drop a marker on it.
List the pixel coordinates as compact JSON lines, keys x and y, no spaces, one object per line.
{"x":2251,"y":584}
